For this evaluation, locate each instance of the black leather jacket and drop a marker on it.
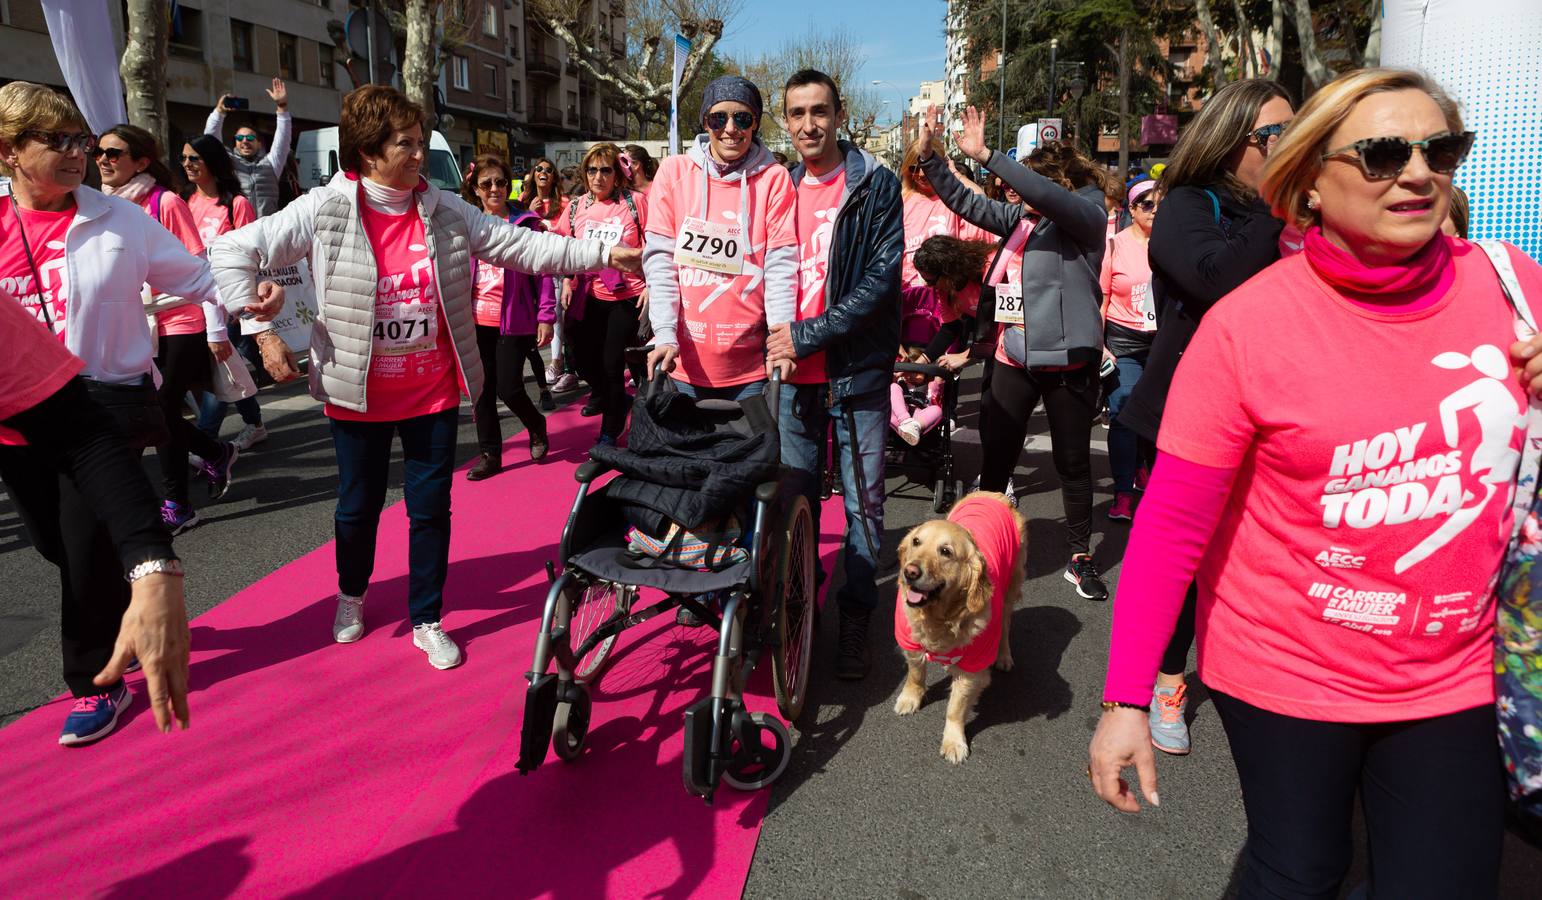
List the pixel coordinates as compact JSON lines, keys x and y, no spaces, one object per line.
{"x":860,"y":328}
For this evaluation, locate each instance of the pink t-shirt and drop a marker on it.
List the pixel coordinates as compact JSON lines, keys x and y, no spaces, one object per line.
{"x":1008,"y":269}
{"x":45,"y":235}
{"x":993,"y":526}
{"x":210,"y":218}
{"x":177,"y":219}
{"x":611,"y":222}
{"x":412,"y":370}
{"x":489,"y":294}
{"x":928,"y":217}
{"x":722,"y":334}
{"x":35,"y":367}
{"x":1126,"y":281}
{"x":819,"y":199}
{"x":1351,"y":577}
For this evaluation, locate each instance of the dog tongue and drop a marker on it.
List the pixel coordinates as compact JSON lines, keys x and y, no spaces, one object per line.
{"x":914,"y":597}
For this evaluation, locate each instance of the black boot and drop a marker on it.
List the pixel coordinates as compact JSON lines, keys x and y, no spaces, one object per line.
{"x":538,"y":441}
{"x":547,"y":403}
{"x":489,"y":465}
{"x":851,"y":660}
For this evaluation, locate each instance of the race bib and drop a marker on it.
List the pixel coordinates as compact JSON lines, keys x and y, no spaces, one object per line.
{"x":1140,"y":301}
{"x":710,"y":246}
{"x":1009,"y":304}
{"x":403,"y":328}
{"x":607,"y":233}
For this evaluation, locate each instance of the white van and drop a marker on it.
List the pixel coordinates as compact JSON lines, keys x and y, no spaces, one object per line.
{"x":316,"y":157}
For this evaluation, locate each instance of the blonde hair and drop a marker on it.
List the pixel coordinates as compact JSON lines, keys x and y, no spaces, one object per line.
{"x":912,"y":158}
{"x":1296,"y":161}
{"x":25,"y":106}
{"x":1203,"y":153}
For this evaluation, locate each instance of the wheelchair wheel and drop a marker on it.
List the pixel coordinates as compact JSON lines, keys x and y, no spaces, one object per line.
{"x":594,"y":607}
{"x":752,"y":768}
{"x":571,"y":726}
{"x":795,"y":611}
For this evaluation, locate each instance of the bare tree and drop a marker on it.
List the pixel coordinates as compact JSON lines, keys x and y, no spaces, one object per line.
{"x":643,"y":76}
{"x":144,"y":65}
{"x":837,"y":53}
{"x":427,"y":34}
{"x":1317,"y":72}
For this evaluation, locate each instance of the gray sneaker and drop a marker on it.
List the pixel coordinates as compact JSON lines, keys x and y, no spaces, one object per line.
{"x":431,"y":639}
{"x":348,"y":625}
{"x":1169,"y":732}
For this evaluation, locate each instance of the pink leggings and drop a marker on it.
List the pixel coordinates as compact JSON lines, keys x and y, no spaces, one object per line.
{"x":927,"y":416}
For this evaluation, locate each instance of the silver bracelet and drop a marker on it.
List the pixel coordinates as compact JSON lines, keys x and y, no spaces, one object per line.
{"x":152,"y":566}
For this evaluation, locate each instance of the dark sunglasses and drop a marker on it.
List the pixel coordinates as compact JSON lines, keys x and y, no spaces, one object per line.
{"x":62,"y":141}
{"x":719,"y":120}
{"x":488,"y":184}
{"x":1384,"y":158}
{"x":916,"y":168}
{"x":545,"y":170}
{"x":1145,"y":204}
{"x":192,"y":160}
{"x":1268,"y":134}
{"x":110,"y":154}
{"x":243,"y":138}
{"x":600,"y":170}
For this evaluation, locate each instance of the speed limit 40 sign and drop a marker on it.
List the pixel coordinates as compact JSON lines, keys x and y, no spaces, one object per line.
{"x":1049,"y":130}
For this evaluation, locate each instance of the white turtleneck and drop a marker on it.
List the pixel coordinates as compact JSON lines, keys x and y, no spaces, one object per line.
{"x":386,"y":199}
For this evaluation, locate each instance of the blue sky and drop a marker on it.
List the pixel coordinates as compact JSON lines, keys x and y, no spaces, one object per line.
{"x":902,"y":38}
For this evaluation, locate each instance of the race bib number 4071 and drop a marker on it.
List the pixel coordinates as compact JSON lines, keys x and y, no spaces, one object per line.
{"x":1009,"y":304}
{"x":402,"y":328}
{"x":710,"y":246}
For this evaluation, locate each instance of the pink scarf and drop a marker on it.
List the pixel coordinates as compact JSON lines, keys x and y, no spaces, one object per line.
{"x":1409,"y":286}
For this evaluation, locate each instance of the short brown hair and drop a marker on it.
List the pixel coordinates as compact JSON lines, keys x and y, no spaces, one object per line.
{"x":1296,"y":161}
{"x":25,"y":106}
{"x":610,"y":155}
{"x":371,"y":114}
{"x":468,"y":188}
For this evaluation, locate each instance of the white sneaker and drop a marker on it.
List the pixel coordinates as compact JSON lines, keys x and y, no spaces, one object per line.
{"x":431,"y":639}
{"x":249,"y":435}
{"x":551,"y":375}
{"x":348,"y":625}
{"x":910,"y":431}
{"x":1012,"y":493}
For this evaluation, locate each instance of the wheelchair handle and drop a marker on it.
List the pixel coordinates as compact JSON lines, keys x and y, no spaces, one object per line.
{"x":933,"y":371}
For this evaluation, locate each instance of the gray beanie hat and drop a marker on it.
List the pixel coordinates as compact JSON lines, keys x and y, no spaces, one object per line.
{"x":731,"y":87}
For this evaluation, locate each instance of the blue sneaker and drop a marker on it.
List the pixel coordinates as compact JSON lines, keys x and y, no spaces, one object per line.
{"x":219,"y":471}
{"x":93,"y":718}
{"x":1169,"y":731}
{"x":178,"y":517}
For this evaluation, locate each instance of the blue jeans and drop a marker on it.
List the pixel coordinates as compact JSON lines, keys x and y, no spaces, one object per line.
{"x":804,"y":420}
{"x":736,"y":393}
{"x":212,"y":411}
{"x":363,"y":467}
{"x":1124,"y":445}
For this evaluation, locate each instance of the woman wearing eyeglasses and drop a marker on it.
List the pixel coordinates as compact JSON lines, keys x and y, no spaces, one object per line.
{"x":1336,"y":466}
{"x":722,"y":254}
{"x":514,"y":314}
{"x":1129,"y":324}
{"x":1214,"y":233}
{"x":130,"y":162}
{"x":605,"y":305}
{"x":78,"y":260}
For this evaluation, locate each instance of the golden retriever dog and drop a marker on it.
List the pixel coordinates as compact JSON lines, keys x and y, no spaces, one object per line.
{"x":959,"y":579}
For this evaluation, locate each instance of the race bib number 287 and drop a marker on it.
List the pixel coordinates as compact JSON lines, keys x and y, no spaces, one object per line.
{"x":1009,"y":304}
{"x":711,"y":246}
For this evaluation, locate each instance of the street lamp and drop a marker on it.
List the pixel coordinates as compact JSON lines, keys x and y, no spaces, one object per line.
{"x":897,"y":92}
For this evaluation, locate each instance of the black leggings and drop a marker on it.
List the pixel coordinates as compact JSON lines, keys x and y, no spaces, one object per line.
{"x":1175,"y":660}
{"x":1432,"y":791}
{"x":1071,"y":401}
{"x":184,"y":361}
{"x":503,"y":373}
{"x":608,"y":328}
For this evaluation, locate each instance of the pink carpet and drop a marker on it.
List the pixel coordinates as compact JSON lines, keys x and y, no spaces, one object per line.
{"x":317,"y":769}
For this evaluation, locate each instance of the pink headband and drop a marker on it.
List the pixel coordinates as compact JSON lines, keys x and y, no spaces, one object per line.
{"x":625,"y":162}
{"x":1140,"y":188}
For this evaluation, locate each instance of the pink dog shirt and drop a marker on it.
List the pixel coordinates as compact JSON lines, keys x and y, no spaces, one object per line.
{"x":993,"y":526}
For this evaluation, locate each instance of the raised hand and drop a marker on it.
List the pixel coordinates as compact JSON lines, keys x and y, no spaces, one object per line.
{"x":971,"y":141}
{"x":924,"y":140}
{"x":280,"y":94}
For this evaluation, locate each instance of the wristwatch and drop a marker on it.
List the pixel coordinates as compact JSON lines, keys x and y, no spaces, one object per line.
{"x":172,"y":566}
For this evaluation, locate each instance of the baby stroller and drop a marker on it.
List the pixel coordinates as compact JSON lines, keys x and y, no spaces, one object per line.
{"x":930,"y":462}
{"x":764,"y":603}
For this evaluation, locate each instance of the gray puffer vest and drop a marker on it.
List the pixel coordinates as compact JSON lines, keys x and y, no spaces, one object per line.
{"x":258,"y":183}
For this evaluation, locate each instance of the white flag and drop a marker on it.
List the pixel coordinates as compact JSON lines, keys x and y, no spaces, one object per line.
{"x":682,"y":50}
{"x":88,"y":58}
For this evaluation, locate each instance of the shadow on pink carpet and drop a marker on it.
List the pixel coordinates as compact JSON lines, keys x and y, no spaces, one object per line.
{"x":321,"y":770}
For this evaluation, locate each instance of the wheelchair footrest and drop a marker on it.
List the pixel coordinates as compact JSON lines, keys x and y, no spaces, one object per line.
{"x":702,"y":771}
{"x":535,"y":732}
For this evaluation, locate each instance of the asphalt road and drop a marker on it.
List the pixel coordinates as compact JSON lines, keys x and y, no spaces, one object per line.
{"x":867,"y":808}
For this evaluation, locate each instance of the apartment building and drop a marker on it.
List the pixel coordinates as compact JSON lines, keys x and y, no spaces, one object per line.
{"x":930,"y":100}
{"x":957,"y":78}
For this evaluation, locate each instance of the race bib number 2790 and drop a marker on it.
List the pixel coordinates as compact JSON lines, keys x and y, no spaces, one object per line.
{"x":711,"y":246}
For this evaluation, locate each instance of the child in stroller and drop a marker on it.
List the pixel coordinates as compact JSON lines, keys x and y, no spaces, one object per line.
{"x":915,"y":400}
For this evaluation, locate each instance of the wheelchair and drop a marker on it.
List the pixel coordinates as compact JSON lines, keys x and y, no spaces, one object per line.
{"x":764,"y":604}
